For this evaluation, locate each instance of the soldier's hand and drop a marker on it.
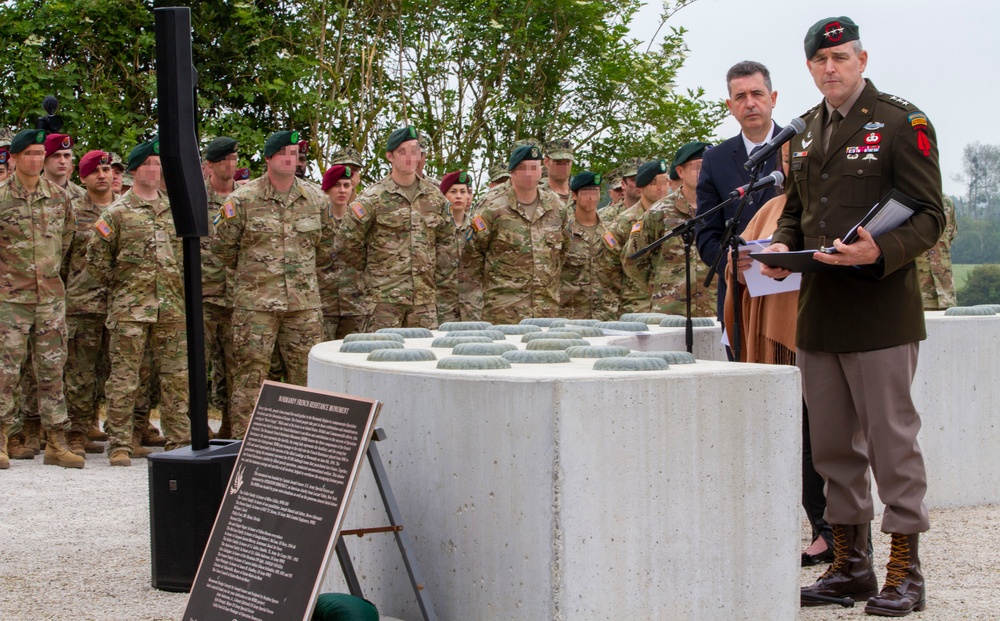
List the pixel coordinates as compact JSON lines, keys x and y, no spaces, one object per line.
{"x":864,"y":251}
{"x":775,"y":272}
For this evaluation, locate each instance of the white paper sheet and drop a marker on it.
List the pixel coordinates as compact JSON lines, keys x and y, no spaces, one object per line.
{"x":757,"y":283}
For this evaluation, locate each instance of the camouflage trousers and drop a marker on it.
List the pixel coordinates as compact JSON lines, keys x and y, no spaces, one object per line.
{"x":86,"y":348}
{"x":46,"y":325}
{"x":384,"y":315}
{"x":336,"y":327}
{"x":168,"y":346}
{"x":255,"y":334}
{"x":219,"y":355}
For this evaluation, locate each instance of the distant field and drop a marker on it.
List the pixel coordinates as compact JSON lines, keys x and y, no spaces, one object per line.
{"x":960,"y":273}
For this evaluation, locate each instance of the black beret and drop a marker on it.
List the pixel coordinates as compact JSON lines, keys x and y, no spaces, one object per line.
{"x":586,"y":179}
{"x":648,"y":171}
{"x":24,"y":139}
{"x":525,"y":152}
{"x":400,"y":136}
{"x":219,"y":148}
{"x":830,"y":32}
{"x":139,"y":153}
{"x":278,"y":141}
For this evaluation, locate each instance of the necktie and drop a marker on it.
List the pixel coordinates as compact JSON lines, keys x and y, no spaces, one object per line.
{"x":835,"y":120}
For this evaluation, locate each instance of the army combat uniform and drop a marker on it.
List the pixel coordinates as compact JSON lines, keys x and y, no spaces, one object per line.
{"x":937,"y":283}
{"x":137,"y":255}
{"x":518,"y":259}
{"x":275,"y":243}
{"x":218,"y":310}
{"x":635,"y":298}
{"x":403,"y":244}
{"x":341,"y":290}
{"x":591,"y":274}
{"x":662,"y":272}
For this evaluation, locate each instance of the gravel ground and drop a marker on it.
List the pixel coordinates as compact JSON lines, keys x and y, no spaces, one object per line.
{"x":74,"y":544}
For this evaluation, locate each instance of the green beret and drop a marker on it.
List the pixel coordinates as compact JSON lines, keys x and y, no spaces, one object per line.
{"x":690,"y":151}
{"x":343,"y":607}
{"x":830,"y":32}
{"x":278,"y":141}
{"x":139,"y":153}
{"x":401,"y":135}
{"x":219,"y":148}
{"x":649,"y":171}
{"x":24,"y":139}
{"x":560,"y":149}
{"x":586,"y":179}
{"x":526,"y":152}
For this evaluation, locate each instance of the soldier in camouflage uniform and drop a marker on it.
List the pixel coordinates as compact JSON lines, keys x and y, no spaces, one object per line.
{"x":558,"y":162}
{"x":498,"y":175}
{"x":519,"y":241}
{"x":340,"y":289}
{"x":663,"y":271}
{"x":425,"y":147}
{"x":456,"y":188}
{"x":137,"y":255}
{"x":937,"y":284}
{"x":86,"y":304}
{"x":4,"y":164}
{"x":395,"y":234}
{"x":349,"y":156}
{"x":630,"y":194}
{"x":59,"y":163}
{"x":276,"y":232}
{"x":36,"y":226}
{"x":591,"y":275}
{"x":616,"y":193}
{"x":221,"y":158}
{"x":653,"y":181}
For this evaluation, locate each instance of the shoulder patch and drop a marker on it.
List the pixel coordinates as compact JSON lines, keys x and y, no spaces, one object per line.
{"x":479,"y":224}
{"x":918,"y":121}
{"x":103,"y":228}
{"x":358,"y":210}
{"x":636,"y":227}
{"x":228,"y":211}
{"x":217,"y":218}
{"x":610,"y":240}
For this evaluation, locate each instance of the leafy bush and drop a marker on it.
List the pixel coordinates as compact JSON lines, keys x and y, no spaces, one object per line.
{"x":982,"y":286}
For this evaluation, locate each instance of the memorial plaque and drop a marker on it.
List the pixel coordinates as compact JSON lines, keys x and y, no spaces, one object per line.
{"x":284,"y":506}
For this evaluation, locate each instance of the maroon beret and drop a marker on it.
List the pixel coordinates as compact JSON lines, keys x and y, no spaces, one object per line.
{"x":303,"y":146}
{"x":335,"y":174}
{"x":90,"y":161}
{"x":459,"y":176}
{"x":57,"y":142}
{"x":242,"y":174}
{"x":4,"y":155}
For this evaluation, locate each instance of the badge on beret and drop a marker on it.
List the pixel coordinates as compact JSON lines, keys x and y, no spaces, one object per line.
{"x":463,"y":178}
{"x":105,"y":159}
{"x":228,"y":210}
{"x":833,"y":31}
{"x":3,"y":157}
{"x":66,"y":143}
{"x":636,"y":227}
{"x":597,"y":180}
{"x":610,"y":240}
{"x":479,"y":224}
{"x":534,"y":152}
{"x":294,"y":138}
{"x":156,"y":147}
{"x":359,"y":211}
{"x":663,"y":165}
{"x":103,"y":228}
{"x":413,"y":132}
{"x":347,"y":171}
{"x":40,"y":137}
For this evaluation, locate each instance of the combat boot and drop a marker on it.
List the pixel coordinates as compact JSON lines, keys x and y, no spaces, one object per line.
{"x":31,"y":430}
{"x":4,"y":459}
{"x":58,"y":453}
{"x":151,"y":437}
{"x":904,"y":590}
{"x":95,"y":433}
{"x":138,"y":450}
{"x":16,"y":448}
{"x":76,"y":440}
{"x":850,"y":574}
{"x":89,"y":446}
{"x":120,"y":457}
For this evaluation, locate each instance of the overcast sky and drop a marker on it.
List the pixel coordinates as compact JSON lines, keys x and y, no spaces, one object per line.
{"x":942,"y":56}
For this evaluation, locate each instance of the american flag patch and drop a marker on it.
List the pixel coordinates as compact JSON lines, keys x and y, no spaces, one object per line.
{"x":636,"y":227}
{"x":359,"y":211}
{"x":479,"y":224}
{"x":610,"y":241}
{"x":103,"y":228}
{"x":228,"y":211}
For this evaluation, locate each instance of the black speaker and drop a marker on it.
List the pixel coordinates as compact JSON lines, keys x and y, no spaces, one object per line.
{"x":186,"y":488}
{"x":177,"y":110}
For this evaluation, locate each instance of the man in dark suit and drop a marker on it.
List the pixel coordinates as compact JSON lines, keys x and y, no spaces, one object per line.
{"x":750,"y":102}
{"x":859,"y":326}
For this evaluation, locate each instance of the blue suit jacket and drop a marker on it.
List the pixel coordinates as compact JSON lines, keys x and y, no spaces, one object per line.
{"x":722,"y":172}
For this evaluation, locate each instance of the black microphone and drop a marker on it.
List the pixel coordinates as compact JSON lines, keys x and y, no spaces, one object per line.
{"x":775,"y":178}
{"x":795,"y":127}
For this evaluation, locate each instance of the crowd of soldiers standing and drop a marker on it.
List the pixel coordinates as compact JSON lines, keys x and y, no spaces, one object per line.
{"x":93,"y":298}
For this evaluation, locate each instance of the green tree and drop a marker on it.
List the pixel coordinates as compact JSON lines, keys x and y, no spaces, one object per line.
{"x":982,"y":286}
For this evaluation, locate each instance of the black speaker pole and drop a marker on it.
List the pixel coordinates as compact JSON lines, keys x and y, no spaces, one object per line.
{"x":181,"y":162}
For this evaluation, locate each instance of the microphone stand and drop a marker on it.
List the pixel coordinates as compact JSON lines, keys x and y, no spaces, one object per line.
{"x":685,"y":231}
{"x":731,"y":239}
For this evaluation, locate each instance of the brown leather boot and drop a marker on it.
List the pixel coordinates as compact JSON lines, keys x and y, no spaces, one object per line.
{"x":89,"y":446}
{"x":152,"y":437}
{"x":138,"y":450}
{"x":4,"y":459}
{"x":16,"y":448}
{"x":850,"y":574}
{"x":904,"y":590}
{"x":76,"y":440}
{"x":95,"y":433}
{"x":58,"y":453}
{"x":120,"y":457}
{"x":32,"y":430}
